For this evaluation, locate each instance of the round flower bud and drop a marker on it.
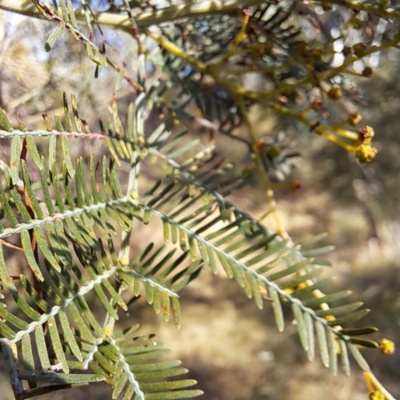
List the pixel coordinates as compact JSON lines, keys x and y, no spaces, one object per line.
{"x":355,"y":119}
{"x":386,"y":346}
{"x":335,"y":93}
{"x":346,"y":50}
{"x":273,"y":151}
{"x":359,"y":49}
{"x":368,"y":72}
{"x":365,"y":153}
{"x":365,"y":134}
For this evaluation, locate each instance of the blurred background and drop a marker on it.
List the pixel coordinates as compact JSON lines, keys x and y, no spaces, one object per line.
{"x":229,"y":346}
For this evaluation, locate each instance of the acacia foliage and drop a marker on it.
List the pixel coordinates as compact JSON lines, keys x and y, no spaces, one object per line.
{"x":73,"y":217}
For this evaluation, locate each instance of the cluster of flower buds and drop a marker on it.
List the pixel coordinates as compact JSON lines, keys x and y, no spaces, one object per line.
{"x":364,"y":151}
{"x":377,"y":395}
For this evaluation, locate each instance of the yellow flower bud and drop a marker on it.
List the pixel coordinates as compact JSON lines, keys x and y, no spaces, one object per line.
{"x":335,"y":93}
{"x":386,"y":346}
{"x":355,"y":119}
{"x":377,"y":395}
{"x":365,"y":134}
{"x":365,"y":153}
